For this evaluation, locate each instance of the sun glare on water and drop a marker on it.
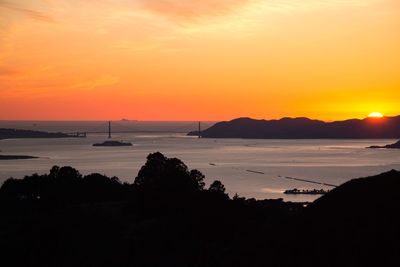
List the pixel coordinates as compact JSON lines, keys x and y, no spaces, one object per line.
{"x":375,"y":115}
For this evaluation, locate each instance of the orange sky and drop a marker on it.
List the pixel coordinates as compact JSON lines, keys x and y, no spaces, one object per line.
{"x":198,"y":60}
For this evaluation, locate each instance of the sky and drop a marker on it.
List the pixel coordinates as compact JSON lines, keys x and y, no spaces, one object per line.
{"x":198,"y":60}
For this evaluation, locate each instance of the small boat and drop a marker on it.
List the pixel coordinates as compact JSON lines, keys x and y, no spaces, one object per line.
{"x":113,"y":143}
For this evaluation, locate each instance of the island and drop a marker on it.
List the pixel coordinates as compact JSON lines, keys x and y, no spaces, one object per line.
{"x":304,"y":128}
{"x":113,"y":143}
{"x":16,"y":157}
{"x":306,"y":192}
{"x":391,"y":146}
{"x":17,"y":133}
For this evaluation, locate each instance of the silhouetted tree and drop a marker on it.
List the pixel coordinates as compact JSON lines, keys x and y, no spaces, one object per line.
{"x":162,"y":174}
{"x":10,"y":189}
{"x":54,"y":171}
{"x":64,"y":185}
{"x":98,"y":187}
{"x":198,"y":178}
{"x":217,"y":187}
{"x":66,"y":173}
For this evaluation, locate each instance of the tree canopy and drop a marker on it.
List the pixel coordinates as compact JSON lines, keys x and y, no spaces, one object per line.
{"x":162,"y":174}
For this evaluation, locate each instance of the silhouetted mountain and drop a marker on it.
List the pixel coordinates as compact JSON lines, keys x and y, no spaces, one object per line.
{"x":15,"y":133}
{"x":395,"y":145}
{"x":168,"y":218}
{"x":355,"y":224}
{"x":304,"y":128}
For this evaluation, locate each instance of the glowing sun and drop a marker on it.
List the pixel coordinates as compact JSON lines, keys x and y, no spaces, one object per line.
{"x":375,"y":115}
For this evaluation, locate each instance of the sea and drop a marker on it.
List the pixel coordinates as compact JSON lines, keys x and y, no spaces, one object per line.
{"x":261,"y":169}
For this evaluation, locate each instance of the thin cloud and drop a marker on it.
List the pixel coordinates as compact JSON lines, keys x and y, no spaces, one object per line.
{"x":6,"y":72}
{"x":102,"y":81}
{"x":192,"y":9}
{"x":30,"y":13}
{"x":178,"y":9}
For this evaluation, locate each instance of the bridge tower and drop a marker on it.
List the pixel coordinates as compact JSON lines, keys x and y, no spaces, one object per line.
{"x":109,"y":130}
{"x":199,"y":133}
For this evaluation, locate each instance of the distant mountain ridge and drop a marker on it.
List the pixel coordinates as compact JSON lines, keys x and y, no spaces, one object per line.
{"x":305,"y":128}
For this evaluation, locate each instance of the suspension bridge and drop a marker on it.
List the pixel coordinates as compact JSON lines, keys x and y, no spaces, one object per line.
{"x":118,"y":127}
{"x":108,"y":128}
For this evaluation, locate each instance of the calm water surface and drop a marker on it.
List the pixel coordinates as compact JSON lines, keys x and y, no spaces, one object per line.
{"x":329,"y":161}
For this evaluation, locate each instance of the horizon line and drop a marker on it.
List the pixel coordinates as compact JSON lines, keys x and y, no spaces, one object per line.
{"x":172,"y":120}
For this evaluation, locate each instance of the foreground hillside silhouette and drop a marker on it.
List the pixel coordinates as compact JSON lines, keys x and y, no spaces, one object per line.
{"x":304,"y":128}
{"x":168,"y":217}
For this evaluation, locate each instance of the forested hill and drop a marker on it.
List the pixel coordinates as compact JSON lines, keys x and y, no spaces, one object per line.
{"x":304,"y":128}
{"x":168,"y":217}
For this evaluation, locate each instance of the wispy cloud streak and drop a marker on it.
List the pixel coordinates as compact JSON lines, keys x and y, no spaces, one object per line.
{"x":30,"y":13}
{"x":177,"y":9}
